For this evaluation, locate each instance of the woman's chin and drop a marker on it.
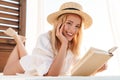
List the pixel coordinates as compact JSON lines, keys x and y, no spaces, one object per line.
{"x":69,"y":39}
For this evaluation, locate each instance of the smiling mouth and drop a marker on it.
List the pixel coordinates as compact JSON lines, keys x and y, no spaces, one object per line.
{"x":69,"y":34}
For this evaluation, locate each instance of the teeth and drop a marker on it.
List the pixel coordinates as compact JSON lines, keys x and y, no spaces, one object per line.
{"x":69,"y":34}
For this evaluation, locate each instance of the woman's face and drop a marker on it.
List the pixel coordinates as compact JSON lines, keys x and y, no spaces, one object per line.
{"x":72,"y":26}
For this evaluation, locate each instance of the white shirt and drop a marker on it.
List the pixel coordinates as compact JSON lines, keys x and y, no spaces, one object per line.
{"x":42,"y":57}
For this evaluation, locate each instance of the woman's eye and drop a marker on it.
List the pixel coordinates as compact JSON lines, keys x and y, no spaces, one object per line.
{"x":77,"y":26}
{"x":69,"y":23}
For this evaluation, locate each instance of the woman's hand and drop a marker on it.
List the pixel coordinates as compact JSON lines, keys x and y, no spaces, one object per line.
{"x":59,"y":59}
{"x":104,"y":67}
{"x":60,"y":35}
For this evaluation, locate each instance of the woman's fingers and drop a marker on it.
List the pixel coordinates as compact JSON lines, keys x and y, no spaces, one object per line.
{"x":59,"y":33}
{"x":58,"y":29}
{"x":104,"y":67}
{"x":61,"y":28}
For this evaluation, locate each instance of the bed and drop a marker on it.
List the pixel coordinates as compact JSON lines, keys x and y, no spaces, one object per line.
{"x":59,"y":78}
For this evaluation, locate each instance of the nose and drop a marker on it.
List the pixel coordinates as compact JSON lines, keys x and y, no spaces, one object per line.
{"x":72,"y":29}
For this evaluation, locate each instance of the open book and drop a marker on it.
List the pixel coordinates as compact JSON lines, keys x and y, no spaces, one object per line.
{"x":92,"y":61}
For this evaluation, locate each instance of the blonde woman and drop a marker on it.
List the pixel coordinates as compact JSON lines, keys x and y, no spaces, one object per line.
{"x":56,"y":51}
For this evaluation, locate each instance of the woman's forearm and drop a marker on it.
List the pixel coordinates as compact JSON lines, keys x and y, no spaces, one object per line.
{"x":58,"y":61}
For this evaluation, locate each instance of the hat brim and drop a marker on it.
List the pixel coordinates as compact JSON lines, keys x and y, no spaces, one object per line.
{"x":87,"y":20}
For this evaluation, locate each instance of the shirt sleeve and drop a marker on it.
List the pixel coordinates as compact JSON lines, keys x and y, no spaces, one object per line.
{"x":41,"y":59}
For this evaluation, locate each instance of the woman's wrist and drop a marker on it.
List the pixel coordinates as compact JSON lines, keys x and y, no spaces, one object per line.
{"x":64,"y":45}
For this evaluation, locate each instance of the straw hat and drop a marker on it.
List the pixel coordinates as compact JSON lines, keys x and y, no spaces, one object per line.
{"x":71,"y":7}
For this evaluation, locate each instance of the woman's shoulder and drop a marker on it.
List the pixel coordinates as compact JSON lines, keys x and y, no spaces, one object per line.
{"x":43,"y":45}
{"x":44,"y":39}
{"x":45,"y":35}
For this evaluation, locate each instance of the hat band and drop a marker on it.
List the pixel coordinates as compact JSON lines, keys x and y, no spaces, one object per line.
{"x":71,"y":9}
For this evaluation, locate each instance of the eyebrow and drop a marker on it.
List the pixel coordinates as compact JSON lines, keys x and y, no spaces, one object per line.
{"x":71,"y":21}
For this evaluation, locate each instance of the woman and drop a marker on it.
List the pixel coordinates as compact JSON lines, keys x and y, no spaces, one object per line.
{"x":56,"y":51}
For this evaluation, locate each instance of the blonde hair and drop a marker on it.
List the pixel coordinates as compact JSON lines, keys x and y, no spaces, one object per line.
{"x":75,"y":43}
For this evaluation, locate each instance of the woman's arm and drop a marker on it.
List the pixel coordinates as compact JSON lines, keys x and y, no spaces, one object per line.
{"x":58,"y":62}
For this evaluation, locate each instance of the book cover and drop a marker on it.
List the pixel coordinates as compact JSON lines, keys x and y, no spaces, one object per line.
{"x":92,"y":61}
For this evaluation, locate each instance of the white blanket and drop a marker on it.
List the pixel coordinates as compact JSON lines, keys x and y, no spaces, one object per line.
{"x":59,"y":78}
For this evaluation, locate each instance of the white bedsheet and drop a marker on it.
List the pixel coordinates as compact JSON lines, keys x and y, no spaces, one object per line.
{"x":59,"y":78}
